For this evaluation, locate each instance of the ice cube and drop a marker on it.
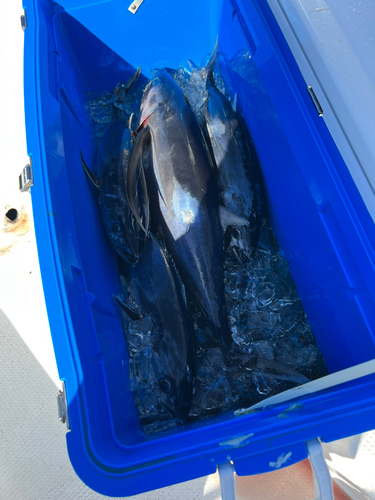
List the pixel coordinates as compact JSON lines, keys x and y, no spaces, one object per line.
{"x":263,"y":349}
{"x":310,"y":355}
{"x":218,"y":395}
{"x":139,"y":335}
{"x":142,"y":368}
{"x":259,"y":382}
{"x":264,"y":293}
{"x":161,"y":426}
{"x":141,"y":327}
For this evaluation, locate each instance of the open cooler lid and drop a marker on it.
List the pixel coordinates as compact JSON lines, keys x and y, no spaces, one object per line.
{"x":334,"y":45}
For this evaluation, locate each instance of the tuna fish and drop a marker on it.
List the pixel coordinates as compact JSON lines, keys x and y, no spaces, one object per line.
{"x":183,"y":195}
{"x":158,"y":295}
{"x":125,"y":235}
{"x":236,"y":162}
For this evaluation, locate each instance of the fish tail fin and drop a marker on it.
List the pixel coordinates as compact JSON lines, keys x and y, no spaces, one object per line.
{"x":90,"y":174}
{"x":131,"y":81}
{"x":211,"y":63}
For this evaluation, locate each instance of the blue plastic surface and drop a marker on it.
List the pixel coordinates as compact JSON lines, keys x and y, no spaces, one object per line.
{"x":319,"y":218}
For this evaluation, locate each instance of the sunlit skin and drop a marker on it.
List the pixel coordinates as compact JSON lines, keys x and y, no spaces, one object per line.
{"x":237,"y":169}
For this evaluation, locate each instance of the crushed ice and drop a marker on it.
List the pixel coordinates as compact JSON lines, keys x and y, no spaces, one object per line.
{"x":273,"y":347}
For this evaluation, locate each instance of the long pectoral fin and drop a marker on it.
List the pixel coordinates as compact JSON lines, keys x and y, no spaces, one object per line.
{"x":90,"y":174}
{"x":134,"y":316}
{"x":145,"y":199}
{"x":141,"y":125}
{"x":136,"y":182}
{"x":228,"y":218}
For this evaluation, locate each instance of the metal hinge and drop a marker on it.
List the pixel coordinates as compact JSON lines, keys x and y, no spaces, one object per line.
{"x":62,"y":407}
{"x":315,"y":100}
{"x":26,"y":178}
{"x":24,"y":21}
{"x":135,"y":6}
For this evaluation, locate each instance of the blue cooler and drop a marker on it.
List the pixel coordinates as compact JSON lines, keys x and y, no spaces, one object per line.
{"x":323,"y":222}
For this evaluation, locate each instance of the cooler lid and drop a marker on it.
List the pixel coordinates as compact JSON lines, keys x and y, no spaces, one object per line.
{"x":334,"y":46}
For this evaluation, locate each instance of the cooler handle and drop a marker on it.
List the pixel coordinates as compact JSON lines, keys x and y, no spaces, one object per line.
{"x":321,"y":476}
{"x":322,"y":479}
{"x":227,"y":484}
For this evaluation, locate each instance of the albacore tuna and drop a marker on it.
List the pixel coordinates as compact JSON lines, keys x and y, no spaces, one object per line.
{"x":153,"y":291}
{"x":184,"y":201}
{"x":236,"y":162}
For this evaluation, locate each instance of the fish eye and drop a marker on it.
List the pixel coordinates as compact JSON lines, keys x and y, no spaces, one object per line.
{"x":236,"y":233}
{"x":165,"y":386}
{"x":116,"y":227}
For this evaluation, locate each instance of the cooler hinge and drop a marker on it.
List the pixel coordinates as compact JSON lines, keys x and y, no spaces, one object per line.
{"x":62,"y":407}
{"x":26,"y":178}
{"x":315,"y":100}
{"x":24,"y":21}
{"x":135,"y":6}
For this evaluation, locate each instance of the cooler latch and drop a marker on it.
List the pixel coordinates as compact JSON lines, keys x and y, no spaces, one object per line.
{"x":23,"y":21}
{"x":26,"y":178}
{"x":62,"y":407}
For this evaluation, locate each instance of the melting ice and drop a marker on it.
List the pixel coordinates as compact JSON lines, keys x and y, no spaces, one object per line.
{"x":273,"y":346}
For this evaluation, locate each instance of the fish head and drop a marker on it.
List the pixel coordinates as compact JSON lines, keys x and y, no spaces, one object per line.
{"x":240,"y":238}
{"x":173,"y":383}
{"x":176,"y":397}
{"x":157,"y":96}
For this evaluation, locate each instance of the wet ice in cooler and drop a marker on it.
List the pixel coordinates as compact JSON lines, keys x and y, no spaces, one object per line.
{"x":273,"y":347}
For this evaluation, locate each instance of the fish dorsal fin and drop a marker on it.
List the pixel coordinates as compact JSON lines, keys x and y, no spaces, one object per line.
{"x":228,"y":218}
{"x":134,"y":316}
{"x":90,"y":174}
{"x":136,"y":174}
